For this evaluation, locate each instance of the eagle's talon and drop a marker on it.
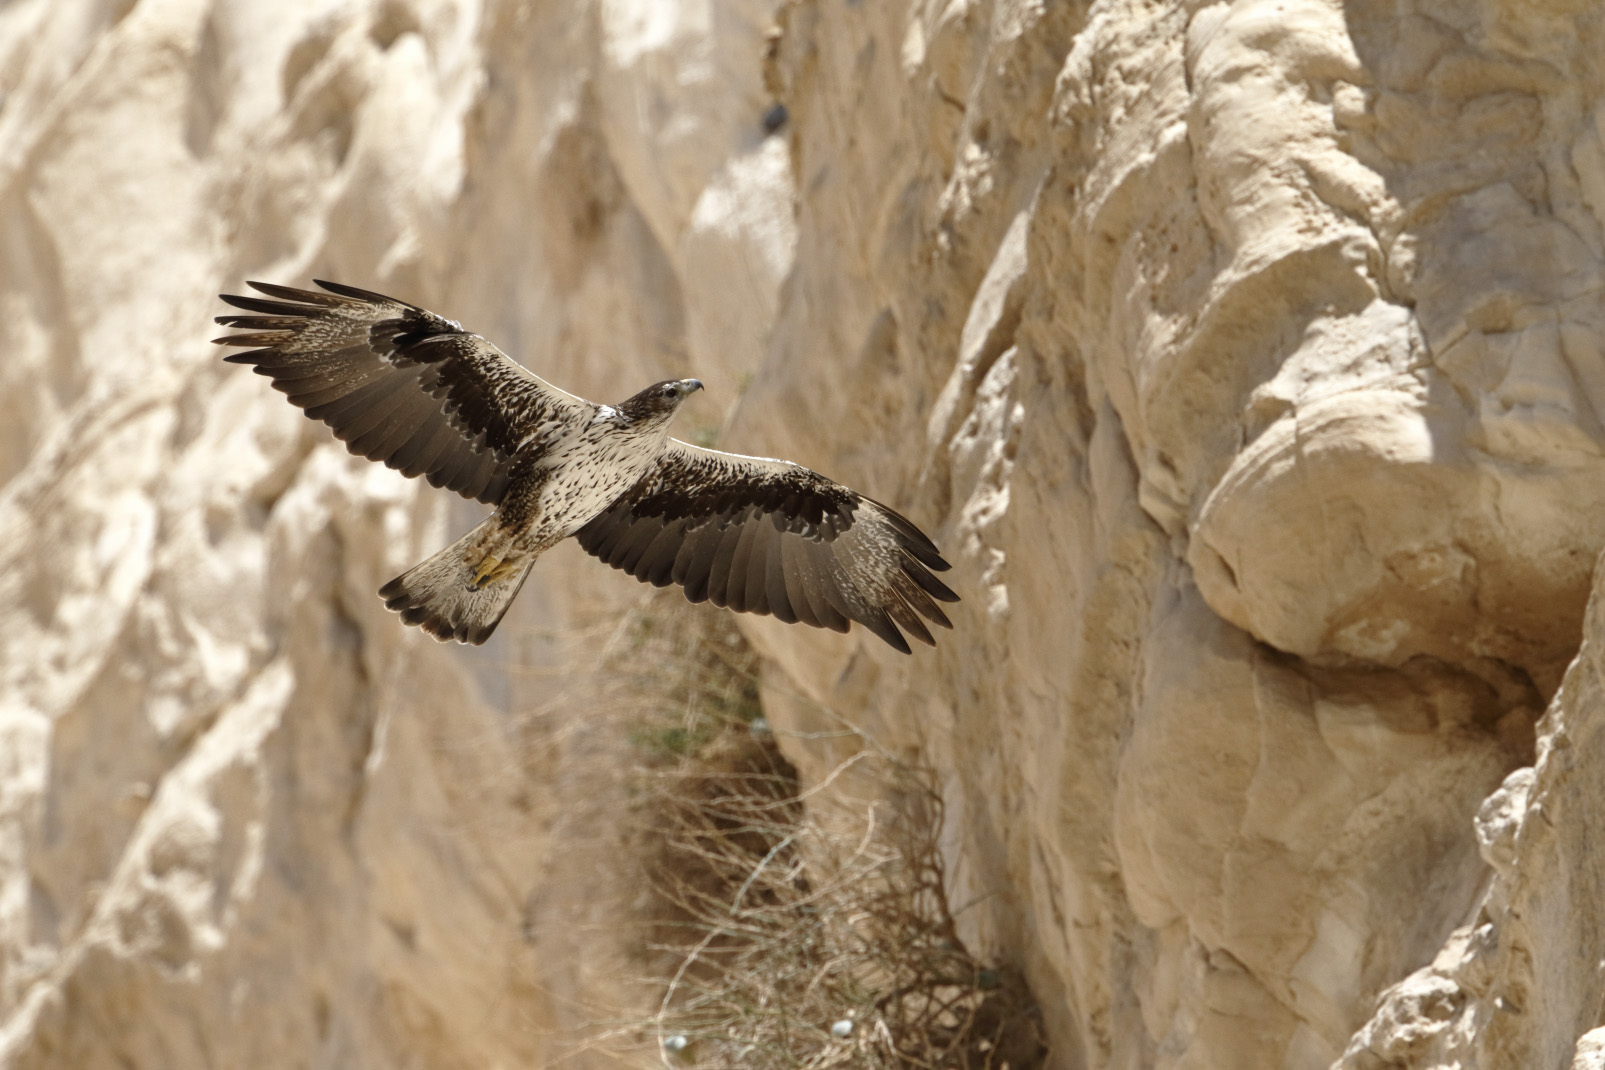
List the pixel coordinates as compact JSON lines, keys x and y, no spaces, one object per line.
{"x":490,"y":568}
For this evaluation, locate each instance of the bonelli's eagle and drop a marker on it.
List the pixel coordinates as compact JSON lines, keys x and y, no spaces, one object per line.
{"x":404,"y":386}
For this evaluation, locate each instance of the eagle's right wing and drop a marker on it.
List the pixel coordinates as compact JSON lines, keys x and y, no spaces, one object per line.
{"x":400,"y":384}
{"x":759,"y":535}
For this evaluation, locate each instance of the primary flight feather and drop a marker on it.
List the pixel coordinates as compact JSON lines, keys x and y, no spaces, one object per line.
{"x":401,"y":385}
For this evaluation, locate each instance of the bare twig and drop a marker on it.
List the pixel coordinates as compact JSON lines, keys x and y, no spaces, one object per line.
{"x":791,"y":929}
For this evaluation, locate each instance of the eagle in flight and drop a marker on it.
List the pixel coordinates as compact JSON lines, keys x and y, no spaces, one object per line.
{"x":401,"y":385}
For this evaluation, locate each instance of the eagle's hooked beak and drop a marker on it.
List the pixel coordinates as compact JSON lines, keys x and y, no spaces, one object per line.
{"x":689,"y":387}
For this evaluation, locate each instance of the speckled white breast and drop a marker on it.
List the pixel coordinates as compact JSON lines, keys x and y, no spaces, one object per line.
{"x":593,"y":469}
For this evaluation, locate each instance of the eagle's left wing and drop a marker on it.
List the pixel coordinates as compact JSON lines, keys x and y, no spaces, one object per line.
{"x":401,"y":385}
{"x":759,"y":535}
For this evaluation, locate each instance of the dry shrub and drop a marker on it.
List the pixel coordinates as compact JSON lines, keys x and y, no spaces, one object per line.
{"x":789,"y":931}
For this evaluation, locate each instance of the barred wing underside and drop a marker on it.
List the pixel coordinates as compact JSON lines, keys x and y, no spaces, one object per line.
{"x":399,"y":384}
{"x":758,"y":535}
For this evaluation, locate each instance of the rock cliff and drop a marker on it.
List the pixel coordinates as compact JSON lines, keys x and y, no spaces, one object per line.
{"x":1247,"y":360}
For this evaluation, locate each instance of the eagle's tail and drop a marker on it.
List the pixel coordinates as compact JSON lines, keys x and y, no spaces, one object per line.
{"x":462,"y":592}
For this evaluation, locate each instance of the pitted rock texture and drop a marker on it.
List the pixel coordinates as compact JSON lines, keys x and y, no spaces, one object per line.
{"x":1245,"y":358}
{"x":1263,"y":341}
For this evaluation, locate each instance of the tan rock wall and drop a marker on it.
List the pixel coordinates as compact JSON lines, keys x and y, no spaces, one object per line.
{"x":249,"y":821}
{"x":1277,"y":534}
{"x":1245,"y":359}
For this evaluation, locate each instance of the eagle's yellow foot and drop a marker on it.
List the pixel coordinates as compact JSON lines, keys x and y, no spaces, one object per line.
{"x":492,"y":568}
{"x":487,"y":566}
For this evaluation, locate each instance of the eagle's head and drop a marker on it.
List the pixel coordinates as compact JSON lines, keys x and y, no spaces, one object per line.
{"x":657,"y":403}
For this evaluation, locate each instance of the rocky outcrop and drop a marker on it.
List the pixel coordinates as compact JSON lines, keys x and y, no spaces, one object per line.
{"x":1519,"y":984}
{"x":249,"y":820}
{"x":1245,"y":359}
{"x":1260,"y":343}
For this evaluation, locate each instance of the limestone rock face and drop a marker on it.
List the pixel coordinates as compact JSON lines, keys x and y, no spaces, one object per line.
{"x":1520,"y":983}
{"x":1245,"y":358}
{"x":249,"y":820}
{"x":1251,"y":351}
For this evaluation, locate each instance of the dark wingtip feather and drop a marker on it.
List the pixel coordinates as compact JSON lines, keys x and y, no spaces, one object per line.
{"x":912,"y":624}
{"x":882,"y":625}
{"x":912,"y":539}
{"x":933,"y":613}
{"x":358,"y":293}
{"x":929,"y":583}
{"x":926,"y":555}
{"x":264,"y":339}
{"x":263,"y":305}
{"x":293,"y":293}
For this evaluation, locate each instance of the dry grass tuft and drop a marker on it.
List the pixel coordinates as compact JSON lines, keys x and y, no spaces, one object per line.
{"x":787,"y":930}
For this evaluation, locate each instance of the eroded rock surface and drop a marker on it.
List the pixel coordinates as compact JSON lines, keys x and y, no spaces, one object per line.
{"x":1245,"y":358}
{"x":1264,"y":357}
